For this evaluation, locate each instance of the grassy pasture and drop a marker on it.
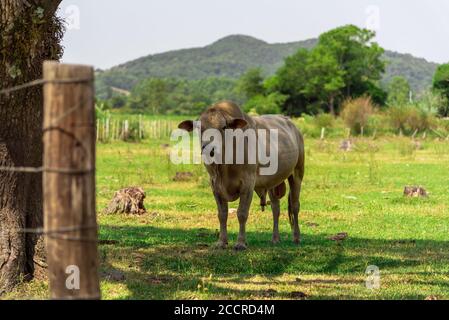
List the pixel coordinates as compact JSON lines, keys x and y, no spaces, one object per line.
{"x":167,"y":253}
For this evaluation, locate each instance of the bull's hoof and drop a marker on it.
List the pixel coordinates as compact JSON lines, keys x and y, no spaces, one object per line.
{"x":220,"y":245}
{"x":240,"y":247}
{"x":276,"y":239}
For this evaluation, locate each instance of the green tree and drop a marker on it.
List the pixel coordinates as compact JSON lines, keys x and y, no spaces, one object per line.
{"x":325,"y":78}
{"x":149,"y":95}
{"x":441,"y":85}
{"x":290,"y":81}
{"x":118,"y":101}
{"x":345,"y":63}
{"x":357,"y":55}
{"x":398,"y":91}
{"x":269,"y":104}
{"x":251,"y":83}
{"x":174,"y":96}
{"x":375,"y":91}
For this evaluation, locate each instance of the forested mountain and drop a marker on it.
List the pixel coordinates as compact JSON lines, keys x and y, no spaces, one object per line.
{"x":231,"y":56}
{"x":418,"y":71}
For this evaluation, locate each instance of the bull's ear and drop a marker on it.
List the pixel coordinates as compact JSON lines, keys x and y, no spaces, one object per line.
{"x":237,"y":123}
{"x":186,"y":125}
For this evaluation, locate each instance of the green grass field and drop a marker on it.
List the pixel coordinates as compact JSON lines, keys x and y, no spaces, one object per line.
{"x":167,"y":253}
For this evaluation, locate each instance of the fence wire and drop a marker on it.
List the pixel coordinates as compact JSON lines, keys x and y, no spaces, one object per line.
{"x":37,"y":82}
{"x":61,"y":232}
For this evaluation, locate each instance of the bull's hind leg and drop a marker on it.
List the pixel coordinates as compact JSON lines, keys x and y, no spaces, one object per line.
{"x":294,"y":181}
{"x":275,"y":208}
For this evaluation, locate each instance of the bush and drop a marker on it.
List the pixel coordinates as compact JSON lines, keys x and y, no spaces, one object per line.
{"x":410,"y":119}
{"x":307,"y":126}
{"x":433,"y":101}
{"x":378,"y":124}
{"x":311,"y":127}
{"x":444,"y":124}
{"x":101,"y":110}
{"x":398,"y":117}
{"x":357,"y":112}
{"x":324,"y":120}
{"x":270,"y":104}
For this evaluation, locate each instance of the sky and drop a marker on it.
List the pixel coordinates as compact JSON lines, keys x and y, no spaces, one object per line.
{"x":105,"y":33}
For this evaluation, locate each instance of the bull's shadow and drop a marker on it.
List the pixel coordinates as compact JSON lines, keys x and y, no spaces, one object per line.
{"x":189,"y":255}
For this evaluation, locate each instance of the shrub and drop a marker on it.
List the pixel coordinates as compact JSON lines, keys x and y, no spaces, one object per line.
{"x":398,"y":117}
{"x":443,"y":124}
{"x":416,"y":120}
{"x":270,"y":104}
{"x":378,"y":124}
{"x":102,"y":110}
{"x":411,"y":118}
{"x":433,"y":101}
{"x":307,"y":126}
{"x":324,"y":120}
{"x":356,"y":113}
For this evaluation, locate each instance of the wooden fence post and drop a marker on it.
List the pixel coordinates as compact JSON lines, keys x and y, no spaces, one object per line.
{"x":125,"y":130}
{"x":106,"y":129}
{"x":97,"y":129}
{"x":70,"y":222}
{"x":140,"y":127}
{"x":117,"y":130}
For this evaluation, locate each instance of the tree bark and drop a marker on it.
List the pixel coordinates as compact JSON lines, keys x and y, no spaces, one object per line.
{"x":29,"y":34}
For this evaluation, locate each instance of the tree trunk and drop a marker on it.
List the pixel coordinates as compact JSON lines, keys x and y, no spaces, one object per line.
{"x":331,"y":105}
{"x":29,"y":34}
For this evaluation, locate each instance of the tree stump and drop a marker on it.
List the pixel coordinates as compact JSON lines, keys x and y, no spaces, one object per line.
{"x":415,"y":192}
{"x":183,"y":176}
{"x":128,"y":200}
{"x":346,"y":145}
{"x":339,"y":236}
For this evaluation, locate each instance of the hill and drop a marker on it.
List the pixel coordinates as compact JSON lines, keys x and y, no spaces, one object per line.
{"x":231,"y":56}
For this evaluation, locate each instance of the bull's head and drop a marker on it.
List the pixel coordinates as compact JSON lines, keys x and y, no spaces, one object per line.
{"x":213,"y":119}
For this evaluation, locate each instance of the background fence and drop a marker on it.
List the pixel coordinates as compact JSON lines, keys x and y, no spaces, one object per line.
{"x":139,"y":127}
{"x":134,"y":129}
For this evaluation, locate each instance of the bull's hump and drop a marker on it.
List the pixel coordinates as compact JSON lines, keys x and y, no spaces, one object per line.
{"x":230,"y":108}
{"x":272,"y":121}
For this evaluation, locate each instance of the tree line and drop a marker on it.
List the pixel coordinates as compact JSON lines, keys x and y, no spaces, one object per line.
{"x":345,"y":64}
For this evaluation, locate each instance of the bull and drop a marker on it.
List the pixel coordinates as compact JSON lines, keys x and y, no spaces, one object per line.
{"x":231,"y":181}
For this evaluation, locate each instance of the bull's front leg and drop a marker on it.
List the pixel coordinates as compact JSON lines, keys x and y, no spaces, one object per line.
{"x":242,"y":215}
{"x":222,"y":206}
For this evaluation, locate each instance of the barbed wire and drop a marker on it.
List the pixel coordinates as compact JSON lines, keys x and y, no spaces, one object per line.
{"x":51,"y":127}
{"x":44,"y":169}
{"x":60,"y":233}
{"x":37,"y":82}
